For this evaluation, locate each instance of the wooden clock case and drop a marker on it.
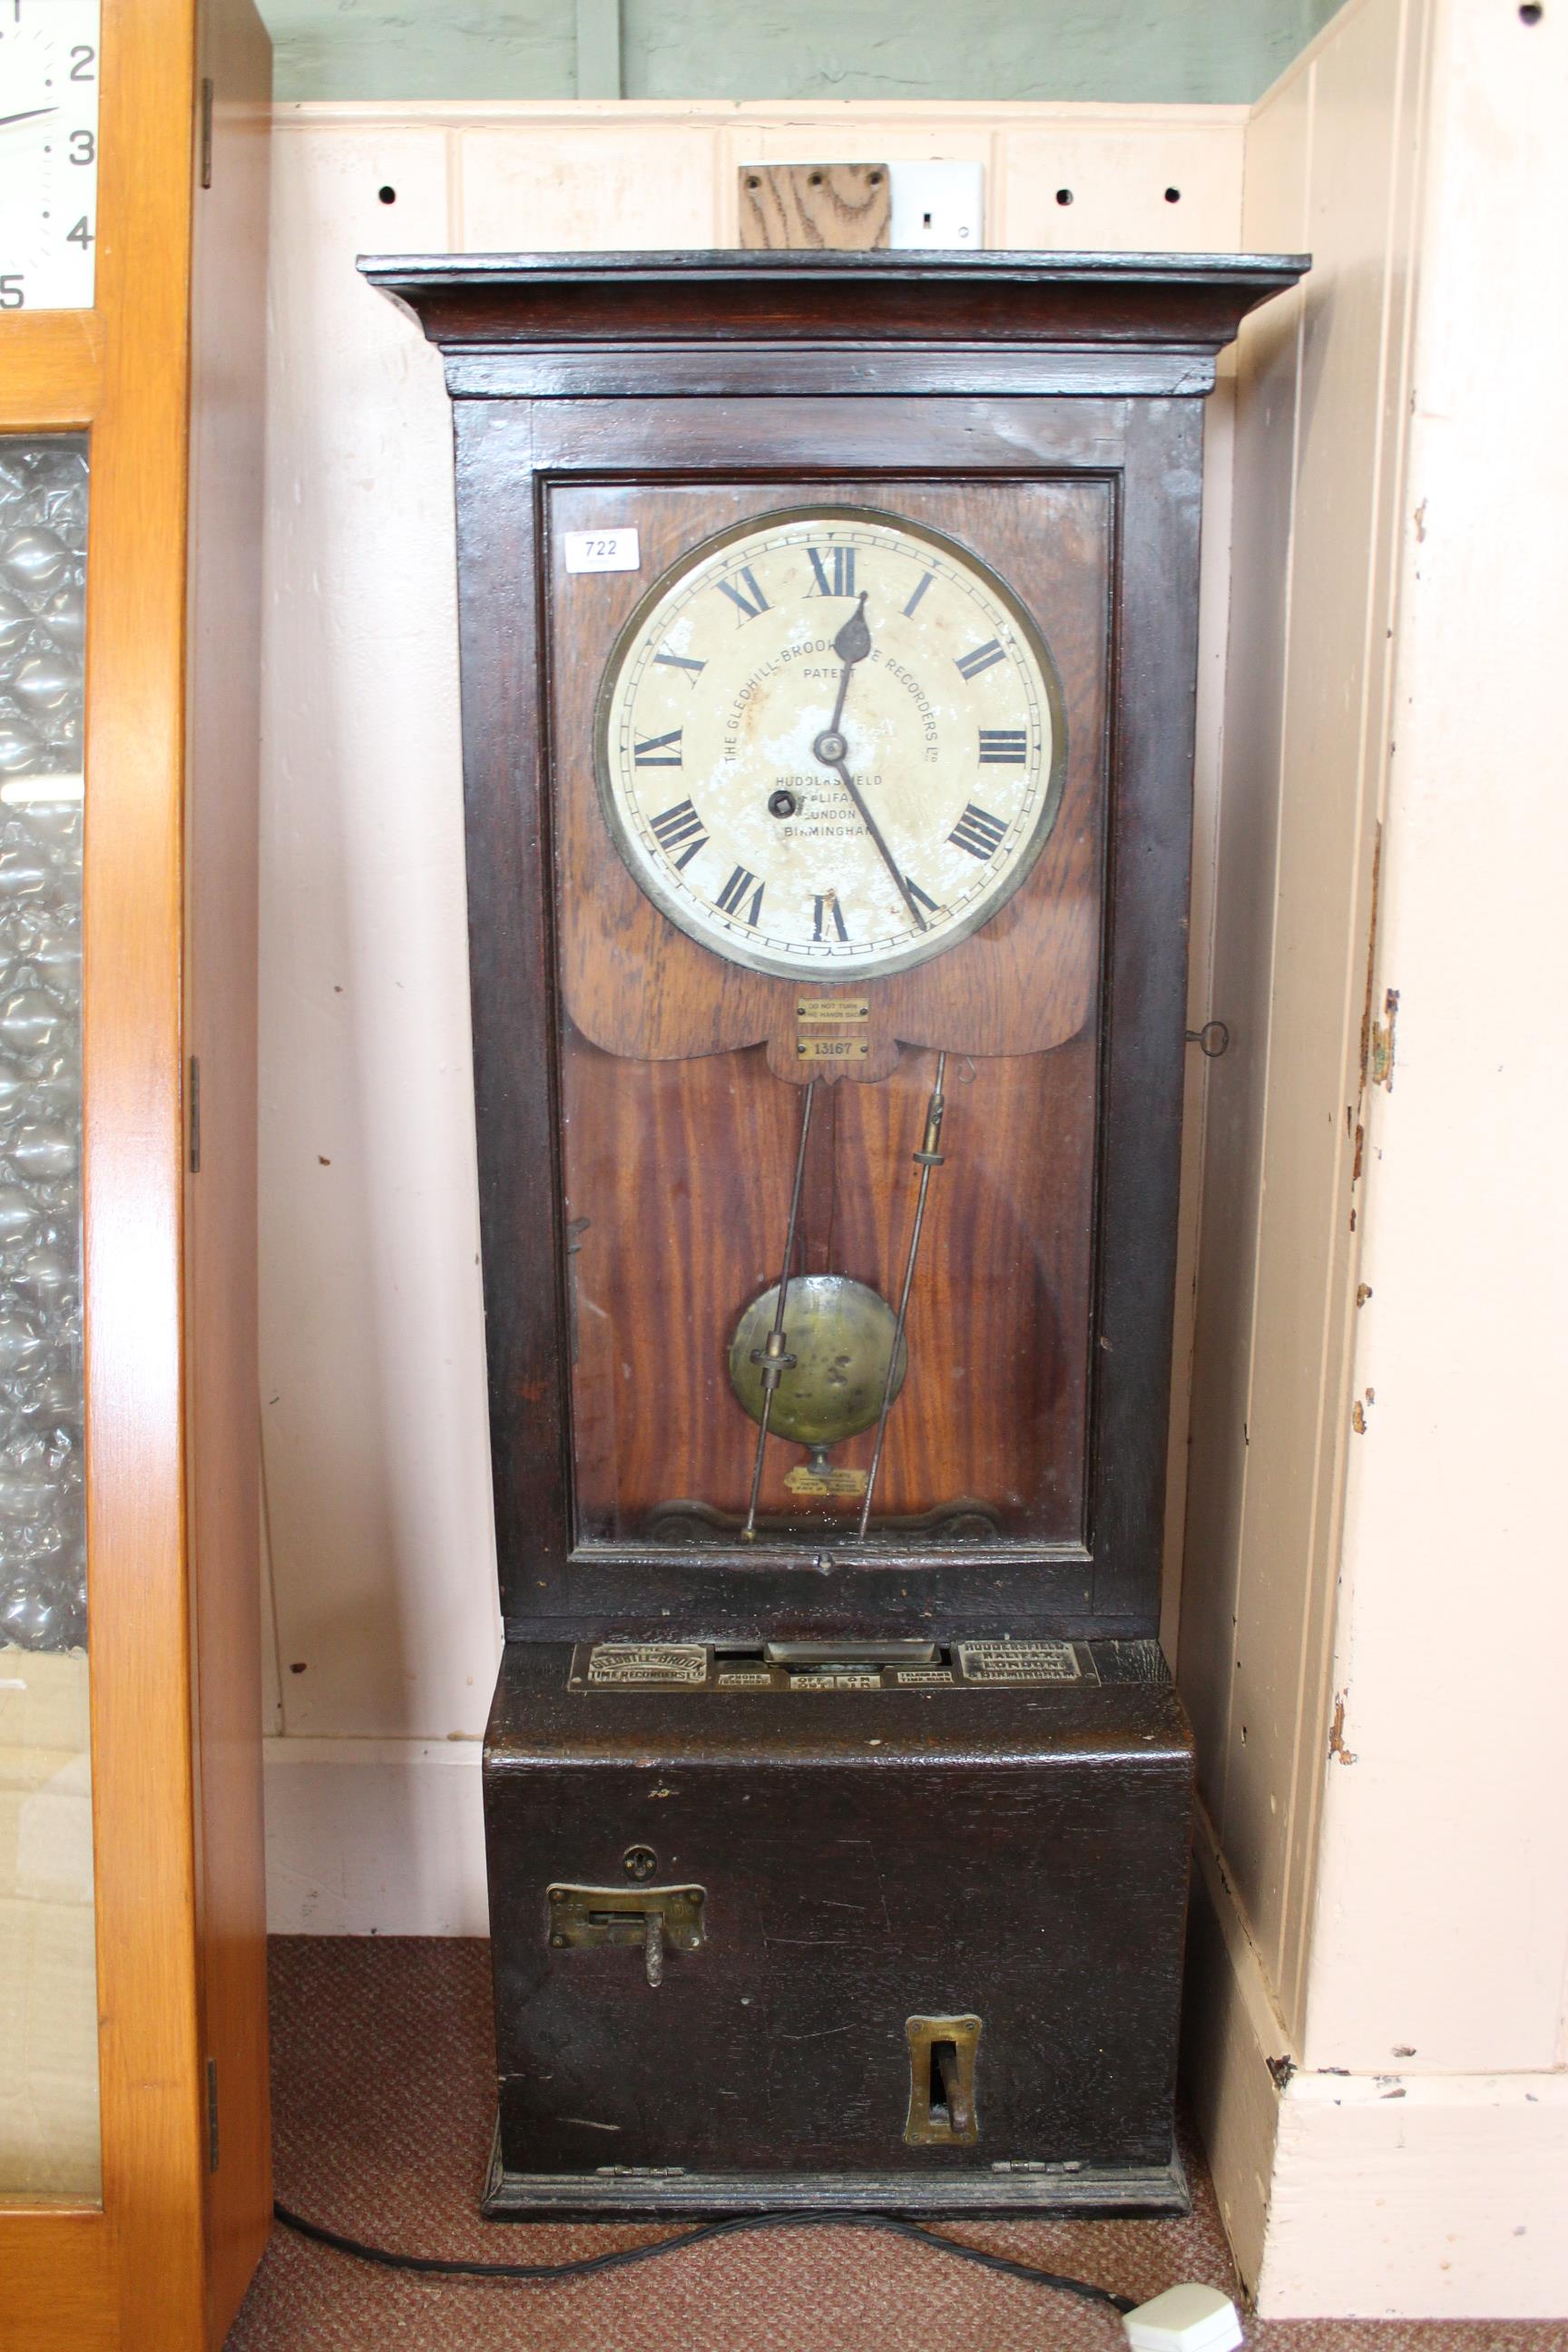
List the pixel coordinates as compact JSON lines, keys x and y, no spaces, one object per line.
{"x":916,"y":1945}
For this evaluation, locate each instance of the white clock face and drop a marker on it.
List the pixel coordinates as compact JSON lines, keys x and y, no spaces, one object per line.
{"x":830,"y":744}
{"x":49,"y":153}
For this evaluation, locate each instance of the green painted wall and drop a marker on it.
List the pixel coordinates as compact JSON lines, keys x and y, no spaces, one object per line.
{"x":1194,"y":50}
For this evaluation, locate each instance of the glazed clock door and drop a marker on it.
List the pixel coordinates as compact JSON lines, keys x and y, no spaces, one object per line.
{"x":828,"y":848}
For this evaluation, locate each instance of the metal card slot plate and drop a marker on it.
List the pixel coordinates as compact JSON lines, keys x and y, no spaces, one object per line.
{"x":942,"y":2055}
{"x":705,"y":1668}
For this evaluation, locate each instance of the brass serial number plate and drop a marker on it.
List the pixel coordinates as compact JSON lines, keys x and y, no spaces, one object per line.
{"x":831,"y":1049}
{"x":833,"y":1008}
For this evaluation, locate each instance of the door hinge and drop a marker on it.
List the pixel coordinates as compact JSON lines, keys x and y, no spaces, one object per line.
{"x":211,"y":2115}
{"x":195,"y":1115}
{"x":206,"y":132}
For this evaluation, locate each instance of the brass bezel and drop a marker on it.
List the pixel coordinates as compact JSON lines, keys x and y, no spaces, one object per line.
{"x":797,"y":968}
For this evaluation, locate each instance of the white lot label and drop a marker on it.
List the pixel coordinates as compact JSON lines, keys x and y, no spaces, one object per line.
{"x":602,"y":550}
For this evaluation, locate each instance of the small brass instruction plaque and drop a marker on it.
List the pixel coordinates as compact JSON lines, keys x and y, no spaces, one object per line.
{"x":801,"y":1481}
{"x":831,"y":1049}
{"x":833,"y":1008}
{"x":1018,"y":1661}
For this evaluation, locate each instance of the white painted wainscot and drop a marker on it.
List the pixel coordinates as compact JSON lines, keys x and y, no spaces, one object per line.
{"x":1370,"y":1606}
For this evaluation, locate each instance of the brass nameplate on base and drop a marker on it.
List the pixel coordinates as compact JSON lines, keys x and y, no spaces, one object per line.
{"x":801,"y":1481}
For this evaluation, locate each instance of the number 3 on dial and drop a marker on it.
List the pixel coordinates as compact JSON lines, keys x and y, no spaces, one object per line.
{"x":830,"y":740}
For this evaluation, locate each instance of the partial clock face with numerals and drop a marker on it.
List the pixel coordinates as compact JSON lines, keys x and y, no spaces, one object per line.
{"x":830,"y":743}
{"x":49,"y":153}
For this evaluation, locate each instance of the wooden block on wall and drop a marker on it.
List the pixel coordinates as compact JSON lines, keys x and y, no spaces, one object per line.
{"x":790,"y":208}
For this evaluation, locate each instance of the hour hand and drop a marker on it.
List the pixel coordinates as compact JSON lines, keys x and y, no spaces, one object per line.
{"x":852,"y":642}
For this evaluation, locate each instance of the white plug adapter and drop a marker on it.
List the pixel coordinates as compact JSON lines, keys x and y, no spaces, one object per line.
{"x":1184,"y":2319}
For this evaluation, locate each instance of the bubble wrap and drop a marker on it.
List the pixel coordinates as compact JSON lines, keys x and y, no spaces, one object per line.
{"x":43,"y":546}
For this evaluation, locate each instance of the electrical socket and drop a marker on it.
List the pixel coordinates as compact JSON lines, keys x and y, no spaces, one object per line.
{"x":939,"y":204}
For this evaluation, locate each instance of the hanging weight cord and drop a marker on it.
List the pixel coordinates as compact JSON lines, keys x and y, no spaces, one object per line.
{"x":772,"y":1356}
{"x":928,"y":1160}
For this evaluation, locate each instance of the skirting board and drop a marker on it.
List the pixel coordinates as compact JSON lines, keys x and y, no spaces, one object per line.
{"x":374,"y":1837}
{"x":1374,"y":2196}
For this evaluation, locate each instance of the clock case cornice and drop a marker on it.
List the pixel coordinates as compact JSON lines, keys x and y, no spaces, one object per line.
{"x":697,"y":324}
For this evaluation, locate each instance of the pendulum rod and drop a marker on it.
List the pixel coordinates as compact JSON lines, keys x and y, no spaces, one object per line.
{"x":928,"y":1160}
{"x":772,"y":1354}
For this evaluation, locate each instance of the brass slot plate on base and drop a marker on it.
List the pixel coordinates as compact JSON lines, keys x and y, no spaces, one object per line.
{"x":943,"y":2052}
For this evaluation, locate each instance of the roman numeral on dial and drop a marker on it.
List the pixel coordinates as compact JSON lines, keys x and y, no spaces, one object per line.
{"x":1004,"y":747}
{"x":978,"y":831}
{"x":747,"y":594}
{"x":734,"y":890}
{"x":829,"y":910}
{"x":682,"y":661}
{"x":659,"y":751}
{"x":913,"y":887}
{"x":922,"y":584}
{"x":981,"y":658}
{"x":680,"y":828}
{"x":835,"y":570}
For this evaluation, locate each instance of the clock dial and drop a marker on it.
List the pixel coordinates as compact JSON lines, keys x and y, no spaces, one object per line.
{"x":830,"y":743}
{"x":49,"y":153}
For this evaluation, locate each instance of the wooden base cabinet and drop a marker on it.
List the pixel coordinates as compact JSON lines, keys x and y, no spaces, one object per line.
{"x":914,"y":1945}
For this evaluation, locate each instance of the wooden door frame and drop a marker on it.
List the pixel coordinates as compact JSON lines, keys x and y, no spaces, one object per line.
{"x":132,"y":2270}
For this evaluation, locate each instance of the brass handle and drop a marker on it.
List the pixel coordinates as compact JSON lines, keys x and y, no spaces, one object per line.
{"x":660,"y":1918}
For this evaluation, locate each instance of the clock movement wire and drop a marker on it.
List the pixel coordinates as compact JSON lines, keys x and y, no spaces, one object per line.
{"x":928,"y":1160}
{"x":772,"y":1355}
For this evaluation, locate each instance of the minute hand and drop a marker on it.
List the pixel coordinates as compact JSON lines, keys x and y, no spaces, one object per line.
{"x":869,"y":822}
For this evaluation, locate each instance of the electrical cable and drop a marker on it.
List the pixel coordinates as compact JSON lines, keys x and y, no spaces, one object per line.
{"x":540,"y":2274}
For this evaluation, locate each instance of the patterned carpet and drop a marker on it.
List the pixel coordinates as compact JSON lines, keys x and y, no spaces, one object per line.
{"x":383,"y":2086}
